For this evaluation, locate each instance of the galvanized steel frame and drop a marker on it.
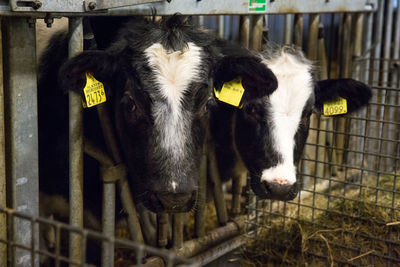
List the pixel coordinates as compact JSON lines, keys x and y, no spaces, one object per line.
{"x":36,"y":8}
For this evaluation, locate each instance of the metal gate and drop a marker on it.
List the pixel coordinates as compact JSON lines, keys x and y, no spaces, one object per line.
{"x":348,"y":211}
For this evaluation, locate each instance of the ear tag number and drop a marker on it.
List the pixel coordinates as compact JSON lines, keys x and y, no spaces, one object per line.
{"x":336,"y":107}
{"x":94,"y":92}
{"x":231,"y":92}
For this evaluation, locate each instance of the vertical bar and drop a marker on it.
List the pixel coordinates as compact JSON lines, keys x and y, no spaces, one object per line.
{"x":346,"y":73}
{"x":312,"y":53}
{"x":219,"y":199}
{"x":236,"y":193}
{"x":359,"y":126}
{"x":21,"y":124}
{"x":162,"y":229}
{"x":298,"y":30}
{"x":244,"y":31}
{"x":108,"y":223}
{"x":177,"y":231}
{"x":321,"y":150}
{"x":221,"y":26}
{"x":123,"y":186}
{"x":288,"y":29}
{"x":3,"y":216}
{"x":257,"y":30}
{"x":387,"y":165}
{"x":200,"y":211}
{"x":75,"y":46}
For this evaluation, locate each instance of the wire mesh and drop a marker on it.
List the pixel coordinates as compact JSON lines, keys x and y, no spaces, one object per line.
{"x":348,"y":211}
{"x":48,"y":244}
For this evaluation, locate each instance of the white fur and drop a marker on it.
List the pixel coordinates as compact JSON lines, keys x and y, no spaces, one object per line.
{"x":174,"y":71}
{"x":286,"y":106}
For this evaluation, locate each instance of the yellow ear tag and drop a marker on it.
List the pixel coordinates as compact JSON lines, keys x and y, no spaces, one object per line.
{"x":231,"y":92}
{"x":336,"y":107}
{"x":94,"y":92}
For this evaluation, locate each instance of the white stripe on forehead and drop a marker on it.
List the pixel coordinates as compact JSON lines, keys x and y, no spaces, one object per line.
{"x":174,"y":71}
{"x":286,"y":106}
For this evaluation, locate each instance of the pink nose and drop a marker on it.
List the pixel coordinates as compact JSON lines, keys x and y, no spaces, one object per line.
{"x":280,"y":181}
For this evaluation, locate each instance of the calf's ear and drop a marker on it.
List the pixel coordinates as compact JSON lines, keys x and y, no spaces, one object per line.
{"x":100,"y":64}
{"x":356,"y":93}
{"x":257,"y":79}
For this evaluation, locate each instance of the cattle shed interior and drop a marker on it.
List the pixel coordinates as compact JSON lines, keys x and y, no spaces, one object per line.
{"x":346,"y":213}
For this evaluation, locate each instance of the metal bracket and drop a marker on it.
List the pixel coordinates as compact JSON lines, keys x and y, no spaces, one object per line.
{"x":93,"y":5}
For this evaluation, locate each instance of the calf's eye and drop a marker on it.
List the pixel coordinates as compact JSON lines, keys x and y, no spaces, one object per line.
{"x":129,"y":103}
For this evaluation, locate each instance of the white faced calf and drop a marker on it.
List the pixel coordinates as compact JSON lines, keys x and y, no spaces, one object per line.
{"x":267,"y":135}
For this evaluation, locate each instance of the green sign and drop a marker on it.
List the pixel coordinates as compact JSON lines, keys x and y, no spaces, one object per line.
{"x":257,"y":5}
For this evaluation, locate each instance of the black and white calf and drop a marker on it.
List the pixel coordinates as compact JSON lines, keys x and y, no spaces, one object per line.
{"x":266,"y":137}
{"x":158,"y":79}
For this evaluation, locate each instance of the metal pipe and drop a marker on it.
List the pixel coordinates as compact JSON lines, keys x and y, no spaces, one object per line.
{"x":108,"y":222}
{"x":22,"y":133}
{"x":201,"y":196}
{"x":341,"y":139}
{"x":97,"y":153}
{"x":257,"y":30}
{"x":221,"y":27}
{"x":177,"y":230}
{"x":75,"y":46}
{"x":244,"y":31}
{"x":123,"y":186}
{"x":237,"y":193}
{"x":162,"y":229}
{"x":288,"y":29}
{"x":298,"y":30}
{"x":324,"y":121}
{"x":387,"y":95}
{"x":312,"y":53}
{"x":219,"y":250}
{"x":219,"y":200}
{"x":359,"y":126}
{"x":3,"y":218}
{"x":195,"y":246}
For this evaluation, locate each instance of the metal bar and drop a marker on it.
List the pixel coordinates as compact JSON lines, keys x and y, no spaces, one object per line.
{"x":244,"y":35}
{"x":298,"y":30}
{"x":3,"y":218}
{"x":219,"y":250}
{"x":288,"y":29}
{"x":221,"y":27}
{"x":95,"y":152}
{"x":345,"y":69}
{"x":201,"y":196}
{"x":177,"y":230}
{"x":162,"y":229}
{"x":256,"y":32}
{"x":359,"y":125}
{"x":312,"y":53}
{"x":75,"y":46}
{"x":195,"y":246}
{"x":219,"y":200}
{"x":185,"y":7}
{"x":21,"y":124}
{"x":324,"y":121}
{"x":108,"y":223}
{"x":123,"y":186}
{"x":94,"y":5}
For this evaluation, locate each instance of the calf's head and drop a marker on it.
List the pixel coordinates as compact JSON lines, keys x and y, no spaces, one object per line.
{"x":157,"y":78}
{"x":269,"y":132}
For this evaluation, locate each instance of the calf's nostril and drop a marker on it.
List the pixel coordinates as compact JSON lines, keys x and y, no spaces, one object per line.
{"x":281,"y":181}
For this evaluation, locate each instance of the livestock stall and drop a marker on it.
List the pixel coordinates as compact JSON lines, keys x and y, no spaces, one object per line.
{"x":347,"y":211}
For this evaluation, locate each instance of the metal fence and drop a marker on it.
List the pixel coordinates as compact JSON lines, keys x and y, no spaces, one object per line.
{"x":354,"y":164}
{"x":348,"y":211}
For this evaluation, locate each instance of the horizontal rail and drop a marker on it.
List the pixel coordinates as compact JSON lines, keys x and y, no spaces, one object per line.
{"x":38,"y":8}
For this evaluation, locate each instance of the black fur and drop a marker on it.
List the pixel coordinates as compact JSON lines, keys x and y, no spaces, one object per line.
{"x":257,"y":79}
{"x":356,"y":93}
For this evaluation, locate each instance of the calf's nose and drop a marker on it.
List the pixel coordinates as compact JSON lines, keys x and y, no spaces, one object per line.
{"x":176,"y":202}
